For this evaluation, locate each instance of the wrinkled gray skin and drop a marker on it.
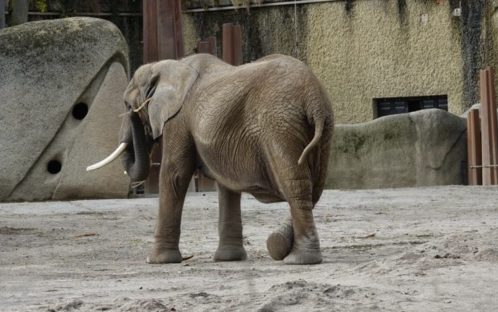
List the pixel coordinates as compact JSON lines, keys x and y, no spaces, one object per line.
{"x":247,"y":127}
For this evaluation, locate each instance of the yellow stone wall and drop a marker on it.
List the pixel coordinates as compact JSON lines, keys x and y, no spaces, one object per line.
{"x":378,"y":53}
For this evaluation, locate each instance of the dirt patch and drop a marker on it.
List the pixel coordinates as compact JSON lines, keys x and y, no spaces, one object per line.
{"x":417,"y":249}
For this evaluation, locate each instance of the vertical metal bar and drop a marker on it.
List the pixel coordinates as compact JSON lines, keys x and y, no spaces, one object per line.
{"x":236,"y":45}
{"x":474,"y":157}
{"x":485,"y":129}
{"x":227,"y":43}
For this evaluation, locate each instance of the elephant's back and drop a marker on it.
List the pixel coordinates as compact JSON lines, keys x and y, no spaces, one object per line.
{"x":243,"y":117}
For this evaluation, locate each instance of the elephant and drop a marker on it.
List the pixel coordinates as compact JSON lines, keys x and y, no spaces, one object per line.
{"x":263,"y":128}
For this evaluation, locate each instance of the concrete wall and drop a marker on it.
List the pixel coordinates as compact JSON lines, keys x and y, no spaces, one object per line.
{"x":369,"y":49}
{"x":422,"y":148}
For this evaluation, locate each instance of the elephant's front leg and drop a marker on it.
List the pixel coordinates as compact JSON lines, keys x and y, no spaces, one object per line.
{"x":230,"y":247}
{"x":177,"y":168}
{"x":167,"y":232}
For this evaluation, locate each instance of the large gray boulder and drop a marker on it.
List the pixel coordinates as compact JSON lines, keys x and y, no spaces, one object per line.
{"x":61,"y":87}
{"x":422,"y":148}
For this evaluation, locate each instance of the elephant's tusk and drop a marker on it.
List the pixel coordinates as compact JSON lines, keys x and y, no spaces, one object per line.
{"x":109,"y":158}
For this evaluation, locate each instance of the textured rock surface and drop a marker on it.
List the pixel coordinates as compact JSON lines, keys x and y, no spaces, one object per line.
{"x":48,"y":68}
{"x":423,"y":148}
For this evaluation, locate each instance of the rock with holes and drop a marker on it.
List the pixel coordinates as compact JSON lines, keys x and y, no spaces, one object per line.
{"x":422,"y":148}
{"x":61,"y":87}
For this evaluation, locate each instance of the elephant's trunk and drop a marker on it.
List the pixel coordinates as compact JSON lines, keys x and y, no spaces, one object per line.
{"x":136,"y":156}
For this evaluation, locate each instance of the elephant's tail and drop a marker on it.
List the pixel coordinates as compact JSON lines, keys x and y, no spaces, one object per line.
{"x":319,"y":124}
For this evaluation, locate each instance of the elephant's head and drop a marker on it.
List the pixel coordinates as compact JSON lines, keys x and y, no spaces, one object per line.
{"x":154,"y":95}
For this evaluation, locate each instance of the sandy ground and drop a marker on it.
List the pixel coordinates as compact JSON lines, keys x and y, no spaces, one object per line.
{"x":419,"y":249}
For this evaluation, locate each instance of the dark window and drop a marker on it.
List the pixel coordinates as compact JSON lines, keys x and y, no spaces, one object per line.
{"x":392,"y":106}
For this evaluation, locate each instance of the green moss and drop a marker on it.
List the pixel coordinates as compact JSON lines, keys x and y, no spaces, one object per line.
{"x":264,"y":31}
{"x":352,"y":142}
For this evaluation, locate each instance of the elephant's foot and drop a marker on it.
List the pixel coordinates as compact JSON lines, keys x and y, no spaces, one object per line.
{"x":165,"y":256}
{"x":279,"y":243}
{"x":230,"y":253}
{"x":306,"y":250}
{"x":304,"y":257}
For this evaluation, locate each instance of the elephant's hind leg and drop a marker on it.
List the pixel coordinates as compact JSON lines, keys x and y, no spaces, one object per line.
{"x":296,"y":184}
{"x":306,"y":246}
{"x":230,"y":246}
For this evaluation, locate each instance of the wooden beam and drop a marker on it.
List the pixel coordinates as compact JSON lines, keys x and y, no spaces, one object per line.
{"x":163,"y":39}
{"x":474,"y":157}
{"x":150,"y":31}
{"x":212,"y":45}
{"x":493,"y":126}
{"x":232,"y":44}
{"x":227,"y":43}
{"x":203,"y":46}
{"x":488,"y":127}
{"x":237,"y":45}
{"x":169,"y":30}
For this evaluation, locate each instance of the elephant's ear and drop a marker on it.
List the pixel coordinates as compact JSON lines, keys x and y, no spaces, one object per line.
{"x":169,"y":84}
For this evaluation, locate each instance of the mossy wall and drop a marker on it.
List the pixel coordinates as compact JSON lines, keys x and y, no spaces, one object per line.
{"x":264,"y":31}
{"x":369,"y":49}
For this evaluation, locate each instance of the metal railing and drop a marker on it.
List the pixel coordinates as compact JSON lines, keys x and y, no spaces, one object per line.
{"x":255,"y":6}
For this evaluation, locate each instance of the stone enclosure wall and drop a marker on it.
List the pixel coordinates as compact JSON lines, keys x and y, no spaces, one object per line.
{"x":369,"y":49}
{"x":423,"y":148}
{"x":362,"y":50}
